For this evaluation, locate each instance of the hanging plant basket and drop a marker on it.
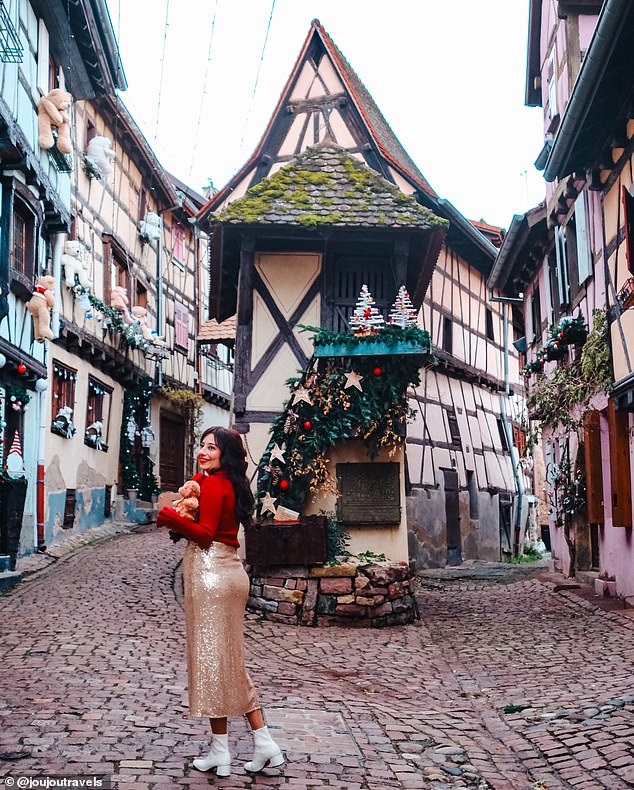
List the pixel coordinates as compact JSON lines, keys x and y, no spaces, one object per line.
{"x":570,"y":331}
{"x":554,"y":351}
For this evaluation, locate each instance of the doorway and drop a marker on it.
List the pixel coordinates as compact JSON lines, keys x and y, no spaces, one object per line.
{"x":452,"y":516}
{"x":172,"y":453}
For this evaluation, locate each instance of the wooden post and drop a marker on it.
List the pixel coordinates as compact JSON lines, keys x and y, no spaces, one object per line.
{"x":244,"y":326}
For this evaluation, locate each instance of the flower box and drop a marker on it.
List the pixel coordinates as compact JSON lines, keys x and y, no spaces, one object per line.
{"x":303,"y":542}
{"x":372,"y":349}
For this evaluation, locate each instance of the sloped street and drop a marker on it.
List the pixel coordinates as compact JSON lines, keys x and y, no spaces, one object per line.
{"x":507,"y":682}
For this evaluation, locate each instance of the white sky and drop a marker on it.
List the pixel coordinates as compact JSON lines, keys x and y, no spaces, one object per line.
{"x":448,"y":75}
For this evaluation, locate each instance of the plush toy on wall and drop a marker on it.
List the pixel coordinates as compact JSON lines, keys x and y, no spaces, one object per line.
{"x":139,"y":314}
{"x":187,"y":505}
{"x":63,"y":425}
{"x":39,"y":305}
{"x":150,"y":227}
{"x":100,"y":154}
{"x":74,"y":264}
{"x":52,"y":112}
{"x":119,"y":301}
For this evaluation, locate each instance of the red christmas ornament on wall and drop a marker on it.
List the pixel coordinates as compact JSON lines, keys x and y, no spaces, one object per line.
{"x":308,"y":425}
{"x":284,"y":484}
{"x":377,"y":371}
{"x":22,"y":368}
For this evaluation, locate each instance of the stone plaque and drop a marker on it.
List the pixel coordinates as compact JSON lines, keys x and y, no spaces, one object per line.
{"x":370,"y":494}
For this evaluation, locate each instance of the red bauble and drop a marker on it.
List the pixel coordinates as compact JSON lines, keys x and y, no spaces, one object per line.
{"x":308,"y":425}
{"x":561,"y":334}
{"x":284,"y":484}
{"x":22,"y":368}
{"x":377,"y":371}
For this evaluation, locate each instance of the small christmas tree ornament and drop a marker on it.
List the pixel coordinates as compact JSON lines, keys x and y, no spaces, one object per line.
{"x":290,"y":423}
{"x":284,"y":484}
{"x":366,"y":319}
{"x":403,"y":312}
{"x":15,"y":462}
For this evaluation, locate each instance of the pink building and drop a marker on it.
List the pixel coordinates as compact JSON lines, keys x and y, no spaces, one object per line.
{"x":570,"y":259}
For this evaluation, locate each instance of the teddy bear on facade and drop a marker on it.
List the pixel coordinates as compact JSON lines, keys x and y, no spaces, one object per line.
{"x":100,"y":156}
{"x":119,"y":301}
{"x":39,"y":305}
{"x":140,"y":315}
{"x":74,"y":264}
{"x":52,"y":113}
{"x":150,"y":227}
{"x":187,"y":505}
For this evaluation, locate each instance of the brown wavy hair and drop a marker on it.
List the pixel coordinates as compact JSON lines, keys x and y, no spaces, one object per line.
{"x":233,"y":461}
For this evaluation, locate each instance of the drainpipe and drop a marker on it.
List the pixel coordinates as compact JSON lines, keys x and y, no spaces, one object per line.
{"x":505,"y":420}
{"x":159,"y":299}
{"x":58,"y":246}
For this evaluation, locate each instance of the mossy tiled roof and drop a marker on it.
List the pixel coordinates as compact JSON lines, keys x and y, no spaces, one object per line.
{"x":325,"y":185}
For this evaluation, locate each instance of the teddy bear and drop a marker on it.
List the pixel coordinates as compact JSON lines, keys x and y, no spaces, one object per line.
{"x":52,"y":111}
{"x":39,"y":305}
{"x":100,"y":154}
{"x":63,"y":422}
{"x":119,"y":301}
{"x":150,"y":227}
{"x":74,"y":264}
{"x":187,"y":505}
{"x":139,"y":314}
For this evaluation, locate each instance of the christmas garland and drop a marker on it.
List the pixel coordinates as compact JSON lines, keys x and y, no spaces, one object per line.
{"x":136,"y":403}
{"x":362,"y":397}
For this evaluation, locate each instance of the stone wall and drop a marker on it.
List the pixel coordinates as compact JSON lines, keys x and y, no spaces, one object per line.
{"x":352,"y":595}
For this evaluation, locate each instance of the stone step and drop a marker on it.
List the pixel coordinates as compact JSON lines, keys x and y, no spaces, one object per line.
{"x":5,"y":563}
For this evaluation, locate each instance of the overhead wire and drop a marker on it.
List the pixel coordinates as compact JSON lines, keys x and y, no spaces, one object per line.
{"x":204,"y":93}
{"x":160,"y":90}
{"x":257,"y":76}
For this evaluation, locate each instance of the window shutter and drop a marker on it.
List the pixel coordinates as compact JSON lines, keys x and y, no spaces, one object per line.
{"x":594,"y":466}
{"x":584,"y":256}
{"x":619,"y":434}
{"x":42,"y":58}
{"x":528,"y":318}
{"x":181,"y":325}
{"x":562,"y":265}
{"x":628,"y":215}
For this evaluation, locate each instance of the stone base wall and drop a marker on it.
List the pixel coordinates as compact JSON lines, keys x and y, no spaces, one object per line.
{"x":370,"y":596}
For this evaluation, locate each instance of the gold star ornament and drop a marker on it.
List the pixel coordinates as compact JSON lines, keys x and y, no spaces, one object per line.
{"x":268,"y":504}
{"x":302,"y":394}
{"x":353,"y":380}
{"x":278,"y":453}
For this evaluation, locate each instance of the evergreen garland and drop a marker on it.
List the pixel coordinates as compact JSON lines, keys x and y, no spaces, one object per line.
{"x":136,"y":403}
{"x":376,"y":413}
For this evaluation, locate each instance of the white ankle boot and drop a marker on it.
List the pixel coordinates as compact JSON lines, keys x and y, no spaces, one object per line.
{"x":218,"y":758}
{"x":266,"y":752}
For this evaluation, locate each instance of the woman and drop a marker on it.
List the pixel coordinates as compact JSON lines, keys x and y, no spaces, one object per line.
{"x":216,"y":591}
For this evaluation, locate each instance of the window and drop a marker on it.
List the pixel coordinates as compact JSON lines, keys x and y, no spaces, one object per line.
{"x":503,"y":437}
{"x":489,"y":324}
{"x":181,"y":325}
{"x":43,"y":58}
{"x":91,"y":132}
{"x":628,"y":221}
{"x":115,"y":268}
{"x":141,"y":295}
{"x":454,"y":429}
{"x":97,"y":415}
{"x":63,"y":400}
{"x":23,"y":248}
{"x":536,"y":314}
{"x":447,"y":335}
{"x":584,"y":255}
{"x":561,"y":267}
{"x":551,"y":76}
{"x":178,"y":243}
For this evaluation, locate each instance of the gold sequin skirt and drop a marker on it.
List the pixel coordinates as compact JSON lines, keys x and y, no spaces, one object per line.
{"x":216,"y":592}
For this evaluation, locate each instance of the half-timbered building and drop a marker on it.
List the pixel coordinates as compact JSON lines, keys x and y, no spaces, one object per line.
{"x":49,"y":51}
{"x":330,"y":201}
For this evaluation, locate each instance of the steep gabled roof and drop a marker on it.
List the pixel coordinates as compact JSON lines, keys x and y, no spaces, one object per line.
{"x":325,"y":185}
{"x":371,"y":130}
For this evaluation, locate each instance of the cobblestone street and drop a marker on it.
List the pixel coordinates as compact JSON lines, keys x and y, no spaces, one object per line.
{"x":507,"y":682}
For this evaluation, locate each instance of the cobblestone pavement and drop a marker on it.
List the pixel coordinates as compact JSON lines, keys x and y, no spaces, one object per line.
{"x":507,"y":682}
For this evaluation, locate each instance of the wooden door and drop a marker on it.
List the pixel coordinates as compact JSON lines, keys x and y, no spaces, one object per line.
{"x":452,"y":515}
{"x":172,"y":454}
{"x":619,"y":431}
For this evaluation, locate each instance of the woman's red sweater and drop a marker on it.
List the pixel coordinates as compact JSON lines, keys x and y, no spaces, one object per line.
{"x":216,"y":517}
